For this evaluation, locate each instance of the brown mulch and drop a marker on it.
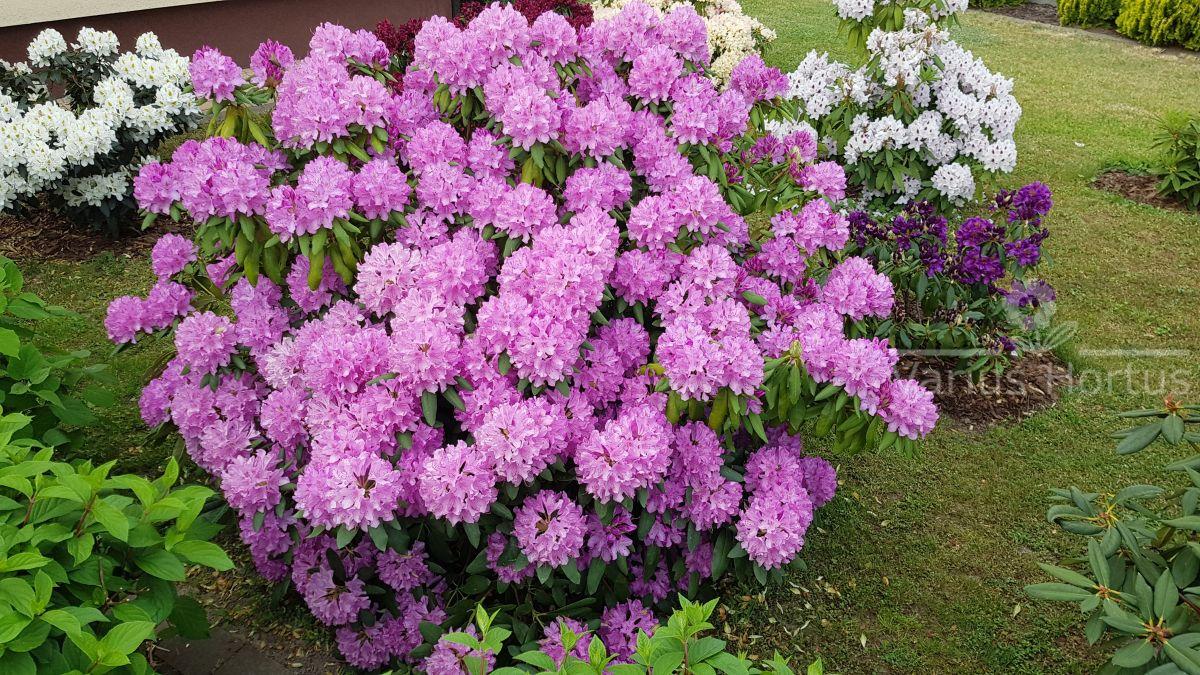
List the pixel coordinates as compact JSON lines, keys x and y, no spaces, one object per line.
{"x":45,"y":236}
{"x":1029,"y":385}
{"x":1030,"y":11}
{"x":1139,"y":188}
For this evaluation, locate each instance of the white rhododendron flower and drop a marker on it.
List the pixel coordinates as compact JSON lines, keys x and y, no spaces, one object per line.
{"x":955,"y":181}
{"x":98,"y":43}
{"x":58,"y":146}
{"x":47,"y":45}
{"x":962,"y":115}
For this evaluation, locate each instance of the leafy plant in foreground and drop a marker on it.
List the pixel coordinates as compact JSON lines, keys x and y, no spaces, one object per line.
{"x":89,"y":560}
{"x":1178,"y":141}
{"x":681,"y":645}
{"x":1139,"y":582}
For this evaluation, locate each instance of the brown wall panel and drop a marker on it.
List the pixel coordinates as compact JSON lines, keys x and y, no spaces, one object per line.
{"x":236,"y":27}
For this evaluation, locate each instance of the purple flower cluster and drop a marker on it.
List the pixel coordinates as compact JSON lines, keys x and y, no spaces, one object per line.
{"x":981,"y":251}
{"x":215,"y":75}
{"x":168,"y":300}
{"x":269,"y":62}
{"x":516,"y":307}
{"x":214,"y":177}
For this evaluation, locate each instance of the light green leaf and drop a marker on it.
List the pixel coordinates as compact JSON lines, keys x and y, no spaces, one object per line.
{"x":161,"y":564}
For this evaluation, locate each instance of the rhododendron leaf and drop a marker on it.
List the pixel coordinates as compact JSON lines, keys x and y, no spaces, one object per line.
{"x":454,"y":399}
{"x":345,"y":536}
{"x":543,"y":573}
{"x":379,"y":537}
{"x":429,"y":407}
{"x":1137,"y":439}
{"x":472,"y":532}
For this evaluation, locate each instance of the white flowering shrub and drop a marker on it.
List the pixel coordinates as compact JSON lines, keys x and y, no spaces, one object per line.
{"x":732,"y":34}
{"x":921,"y":119}
{"x":78,"y":121}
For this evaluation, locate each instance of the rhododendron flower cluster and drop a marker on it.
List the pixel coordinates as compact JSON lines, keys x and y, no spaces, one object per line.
{"x":732,"y":34}
{"x":956,"y":125}
{"x":975,"y":277}
{"x":506,"y":327}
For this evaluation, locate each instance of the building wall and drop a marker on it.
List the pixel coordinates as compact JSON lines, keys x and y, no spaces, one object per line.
{"x":234,"y":26}
{"x":17,"y":12}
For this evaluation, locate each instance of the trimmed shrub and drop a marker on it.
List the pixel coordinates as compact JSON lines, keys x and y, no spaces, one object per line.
{"x":1088,"y":13}
{"x":1161,"y":22}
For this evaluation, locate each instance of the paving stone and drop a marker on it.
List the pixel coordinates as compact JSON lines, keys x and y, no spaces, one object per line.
{"x":200,"y":657}
{"x":226,"y":653}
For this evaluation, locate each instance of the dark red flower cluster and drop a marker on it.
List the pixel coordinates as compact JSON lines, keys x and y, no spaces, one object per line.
{"x":399,"y":39}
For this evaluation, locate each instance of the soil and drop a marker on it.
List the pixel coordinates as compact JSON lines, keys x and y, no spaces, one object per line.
{"x":45,"y":236}
{"x":1029,"y":385}
{"x":1029,"y":11}
{"x":1139,"y":188}
{"x":251,"y":632}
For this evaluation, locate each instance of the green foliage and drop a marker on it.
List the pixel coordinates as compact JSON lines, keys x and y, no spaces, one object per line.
{"x":1178,"y":164}
{"x":1088,"y":13}
{"x":1161,"y":22}
{"x":48,"y":388}
{"x":1139,"y":582}
{"x":682,"y":645}
{"x":89,"y":560}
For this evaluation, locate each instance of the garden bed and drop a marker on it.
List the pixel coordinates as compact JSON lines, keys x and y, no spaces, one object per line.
{"x":45,"y":236}
{"x":1140,"y":188}
{"x":1029,"y":385}
{"x":1029,"y":11}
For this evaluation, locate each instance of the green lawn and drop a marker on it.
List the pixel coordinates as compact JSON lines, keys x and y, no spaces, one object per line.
{"x":918,"y":565}
{"x":925,"y":558}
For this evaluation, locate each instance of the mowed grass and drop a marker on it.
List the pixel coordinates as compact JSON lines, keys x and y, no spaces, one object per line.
{"x":919,"y":564}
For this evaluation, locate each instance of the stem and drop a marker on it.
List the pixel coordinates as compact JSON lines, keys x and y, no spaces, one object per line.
{"x":83,"y":516}
{"x":1189,"y":603}
{"x":29,"y":511}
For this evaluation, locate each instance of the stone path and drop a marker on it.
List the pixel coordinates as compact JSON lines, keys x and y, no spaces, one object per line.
{"x":226,"y":653}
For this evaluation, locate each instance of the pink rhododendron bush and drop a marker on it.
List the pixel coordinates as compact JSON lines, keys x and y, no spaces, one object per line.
{"x":496,"y":326}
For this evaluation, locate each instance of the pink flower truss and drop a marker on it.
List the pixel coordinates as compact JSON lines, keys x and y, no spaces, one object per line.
{"x":549,"y":528}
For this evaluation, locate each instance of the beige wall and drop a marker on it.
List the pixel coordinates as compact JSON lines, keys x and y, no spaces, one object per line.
{"x":20,"y":12}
